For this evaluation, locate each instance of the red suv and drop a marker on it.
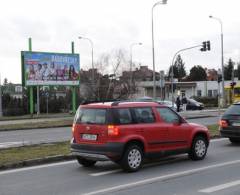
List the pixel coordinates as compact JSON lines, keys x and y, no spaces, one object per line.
{"x":128,"y":132}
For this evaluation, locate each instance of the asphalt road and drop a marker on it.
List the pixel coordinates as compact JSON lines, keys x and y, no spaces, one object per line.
{"x":217,"y":174}
{"x":35,"y":136}
{"x":205,"y":121}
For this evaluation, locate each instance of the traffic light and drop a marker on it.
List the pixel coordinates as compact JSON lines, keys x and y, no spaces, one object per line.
{"x":206,"y":46}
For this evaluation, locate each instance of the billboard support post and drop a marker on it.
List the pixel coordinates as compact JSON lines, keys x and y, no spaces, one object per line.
{"x":31,"y":88}
{"x":73,"y":89}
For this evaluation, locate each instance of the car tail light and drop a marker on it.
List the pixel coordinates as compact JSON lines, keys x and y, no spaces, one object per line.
{"x":73,"y":128}
{"x":113,"y":130}
{"x":223,"y":123}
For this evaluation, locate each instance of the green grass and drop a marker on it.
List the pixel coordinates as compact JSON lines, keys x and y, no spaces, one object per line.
{"x":36,"y":125}
{"x":14,"y":155}
{"x":213,"y":129}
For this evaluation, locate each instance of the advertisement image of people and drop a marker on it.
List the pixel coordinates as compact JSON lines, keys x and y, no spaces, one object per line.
{"x":50,"y":68}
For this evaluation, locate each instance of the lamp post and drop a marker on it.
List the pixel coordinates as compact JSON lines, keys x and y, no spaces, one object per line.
{"x":222,"y":60}
{"x":153,"y":54}
{"x":80,"y":37}
{"x":131,"y":75}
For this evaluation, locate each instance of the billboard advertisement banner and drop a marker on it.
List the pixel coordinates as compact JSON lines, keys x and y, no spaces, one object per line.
{"x":41,"y":68}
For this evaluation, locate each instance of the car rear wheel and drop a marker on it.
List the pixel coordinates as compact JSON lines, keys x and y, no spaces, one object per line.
{"x":234,"y":140}
{"x":132,"y":158}
{"x":199,"y":148}
{"x":86,"y":163}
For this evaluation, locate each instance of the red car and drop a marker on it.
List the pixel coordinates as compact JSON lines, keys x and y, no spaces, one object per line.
{"x":128,"y":132}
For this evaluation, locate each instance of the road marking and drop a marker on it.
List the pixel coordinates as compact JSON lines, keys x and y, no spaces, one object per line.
{"x":220,"y":187}
{"x":159,"y":178}
{"x":36,"y":167}
{"x":164,"y":161}
{"x":105,"y":172}
{"x":218,"y":140}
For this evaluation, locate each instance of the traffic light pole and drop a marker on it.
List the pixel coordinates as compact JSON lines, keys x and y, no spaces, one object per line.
{"x":181,"y":50}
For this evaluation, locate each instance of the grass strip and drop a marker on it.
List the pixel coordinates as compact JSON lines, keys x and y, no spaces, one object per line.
{"x":213,"y":129}
{"x":15,"y":155}
{"x":36,"y":125}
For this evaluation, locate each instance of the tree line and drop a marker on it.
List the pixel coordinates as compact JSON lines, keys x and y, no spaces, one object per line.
{"x":198,"y":73}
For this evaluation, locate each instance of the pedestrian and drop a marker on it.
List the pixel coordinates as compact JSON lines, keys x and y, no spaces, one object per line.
{"x":184,"y":102}
{"x":178,"y":102}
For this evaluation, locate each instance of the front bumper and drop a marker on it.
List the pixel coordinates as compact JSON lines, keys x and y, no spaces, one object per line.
{"x":230,"y":133}
{"x":108,"y":151}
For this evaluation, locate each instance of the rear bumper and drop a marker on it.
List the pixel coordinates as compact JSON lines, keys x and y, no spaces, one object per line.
{"x":108,"y":151}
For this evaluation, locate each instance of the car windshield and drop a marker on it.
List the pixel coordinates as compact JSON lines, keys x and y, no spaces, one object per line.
{"x":233,"y":110}
{"x":193,"y":101}
{"x":91,"y":116}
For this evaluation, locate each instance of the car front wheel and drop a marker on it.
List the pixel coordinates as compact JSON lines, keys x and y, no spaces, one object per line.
{"x":132,"y":158}
{"x":199,"y":148}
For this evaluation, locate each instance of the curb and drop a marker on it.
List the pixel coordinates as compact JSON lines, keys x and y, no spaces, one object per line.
{"x":38,"y":161}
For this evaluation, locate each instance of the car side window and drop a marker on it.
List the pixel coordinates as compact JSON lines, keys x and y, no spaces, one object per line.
{"x":168,"y":115}
{"x":144,"y":115}
{"x":124,"y":116}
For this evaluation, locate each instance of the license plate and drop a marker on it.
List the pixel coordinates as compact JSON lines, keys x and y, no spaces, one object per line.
{"x":89,"y":137}
{"x":236,"y":124}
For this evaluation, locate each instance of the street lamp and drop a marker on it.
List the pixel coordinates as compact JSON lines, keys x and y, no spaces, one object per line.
{"x":222,"y":60}
{"x":131,"y":75}
{"x":92,"y":56}
{"x":153,"y":54}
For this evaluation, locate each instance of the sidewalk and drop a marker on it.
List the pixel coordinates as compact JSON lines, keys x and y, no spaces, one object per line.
{"x":201,"y":113}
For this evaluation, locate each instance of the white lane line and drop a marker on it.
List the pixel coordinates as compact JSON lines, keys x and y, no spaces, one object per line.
{"x":159,"y":178}
{"x":146,"y":165}
{"x":218,"y":140}
{"x":220,"y":187}
{"x":105,"y":172}
{"x":36,"y":167}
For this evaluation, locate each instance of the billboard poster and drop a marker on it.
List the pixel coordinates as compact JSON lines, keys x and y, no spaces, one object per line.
{"x":41,"y":68}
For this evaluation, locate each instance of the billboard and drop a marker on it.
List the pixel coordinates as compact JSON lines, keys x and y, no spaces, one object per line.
{"x":41,"y":68}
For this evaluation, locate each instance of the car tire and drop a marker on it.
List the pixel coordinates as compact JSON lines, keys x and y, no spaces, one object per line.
{"x":86,"y":163}
{"x":132,"y":158}
{"x":234,"y":140}
{"x":198,"y":149}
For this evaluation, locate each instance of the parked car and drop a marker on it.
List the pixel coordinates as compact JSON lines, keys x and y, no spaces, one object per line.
{"x":169,"y":104}
{"x":128,"y":132}
{"x":194,"y":105}
{"x":229,"y":123}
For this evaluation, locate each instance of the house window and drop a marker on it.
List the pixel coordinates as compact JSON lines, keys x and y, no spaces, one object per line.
{"x":210,"y":93}
{"x":18,"y":89}
{"x":199,"y":93}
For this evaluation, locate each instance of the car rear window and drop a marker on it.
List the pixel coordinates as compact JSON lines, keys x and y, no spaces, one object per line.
{"x":91,"y":116}
{"x":233,"y":110}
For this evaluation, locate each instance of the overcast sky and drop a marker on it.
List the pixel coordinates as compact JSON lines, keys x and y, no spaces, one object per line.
{"x":112,"y":24}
